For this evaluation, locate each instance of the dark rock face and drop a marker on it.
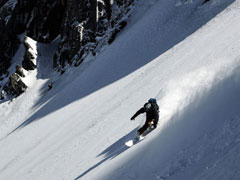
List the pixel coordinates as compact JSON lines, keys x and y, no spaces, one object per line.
{"x":28,"y":58}
{"x":27,"y":61}
{"x":14,"y":87}
{"x":78,"y":23}
{"x":17,"y":85}
{"x":41,"y":20}
{"x":47,"y":20}
{"x":86,"y":21}
{"x":84,"y":26}
{"x":19,"y":71}
{"x":13,"y":21}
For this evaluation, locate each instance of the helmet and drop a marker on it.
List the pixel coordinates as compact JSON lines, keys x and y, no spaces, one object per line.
{"x":152,"y":100}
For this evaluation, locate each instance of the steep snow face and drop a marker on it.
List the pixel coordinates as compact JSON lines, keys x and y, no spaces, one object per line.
{"x":77,"y":130}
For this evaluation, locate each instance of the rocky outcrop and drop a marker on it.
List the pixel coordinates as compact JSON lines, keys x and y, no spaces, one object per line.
{"x":13,"y":21}
{"x":41,"y":20}
{"x":80,"y":24}
{"x":20,"y":71}
{"x":14,"y":87}
{"x":83,"y":27}
{"x":29,"y":56}
{"x":27,"y":62}
{"x":84,"y":24}
{"x":17,"y":85}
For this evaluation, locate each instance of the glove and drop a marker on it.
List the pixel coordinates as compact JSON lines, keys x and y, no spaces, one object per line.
{"x":132,"y":118}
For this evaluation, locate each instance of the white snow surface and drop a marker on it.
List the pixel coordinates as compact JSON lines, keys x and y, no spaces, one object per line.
{"x":185,"y":55}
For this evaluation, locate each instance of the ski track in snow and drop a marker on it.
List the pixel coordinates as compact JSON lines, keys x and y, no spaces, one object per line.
{"x":78,"y":129}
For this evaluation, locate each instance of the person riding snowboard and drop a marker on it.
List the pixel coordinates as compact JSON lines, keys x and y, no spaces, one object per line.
{"x":151,"y":109}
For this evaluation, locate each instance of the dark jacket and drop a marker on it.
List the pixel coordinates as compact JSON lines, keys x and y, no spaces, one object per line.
{"x":151,"y":113}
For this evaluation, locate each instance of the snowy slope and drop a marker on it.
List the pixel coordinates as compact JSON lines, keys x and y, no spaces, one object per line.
{"x":180,"y":53}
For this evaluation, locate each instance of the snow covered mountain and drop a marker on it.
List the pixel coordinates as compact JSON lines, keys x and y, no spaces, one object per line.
{"x":184,"y":53}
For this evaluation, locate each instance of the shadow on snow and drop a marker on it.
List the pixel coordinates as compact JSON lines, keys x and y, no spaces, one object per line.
{"x":112,"y":151}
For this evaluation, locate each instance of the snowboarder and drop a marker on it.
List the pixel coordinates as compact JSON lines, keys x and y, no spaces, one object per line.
{"x":151,"y":109}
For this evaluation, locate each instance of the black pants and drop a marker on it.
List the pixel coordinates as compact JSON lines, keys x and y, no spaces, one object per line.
{"x":147,"y":124}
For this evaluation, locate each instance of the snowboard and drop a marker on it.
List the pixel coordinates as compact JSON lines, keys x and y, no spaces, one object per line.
{"x":137,"y":139}
{"x":133,"y":141}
